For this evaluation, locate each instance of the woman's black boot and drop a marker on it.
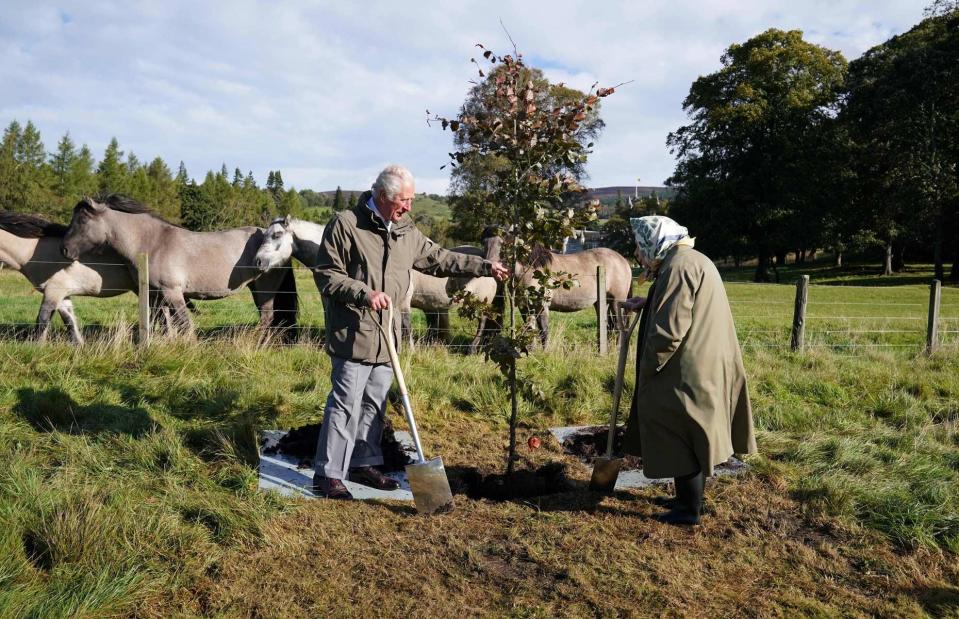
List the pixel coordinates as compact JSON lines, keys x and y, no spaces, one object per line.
{"x":689,"y":500}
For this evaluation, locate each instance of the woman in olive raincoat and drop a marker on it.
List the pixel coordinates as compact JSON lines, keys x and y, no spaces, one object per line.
{"x":690,"y":409}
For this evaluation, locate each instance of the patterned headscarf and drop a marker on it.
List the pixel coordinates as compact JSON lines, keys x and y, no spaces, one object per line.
{"x":656,"y":235}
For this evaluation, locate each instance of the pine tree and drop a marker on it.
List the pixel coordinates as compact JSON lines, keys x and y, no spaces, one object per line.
{"x":352,"y":201}
{"x":276,"y":191}
{"x":338,"y":204}
{"x":196,"y":211}
{"x":9,"y":170}
{"x":63,"y":162}
{"x":111,"y":173}
{"x":182,"y":177}
{"x":237,"y":178}
{"x":30,"y":151}
{"x":84,"y":172}
{"x":133,"y":163}
{"x":163,"y":189}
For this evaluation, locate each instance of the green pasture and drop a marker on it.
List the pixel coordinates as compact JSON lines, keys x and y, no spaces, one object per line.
{"x":842,"y":315}
{"x":128,"y":475}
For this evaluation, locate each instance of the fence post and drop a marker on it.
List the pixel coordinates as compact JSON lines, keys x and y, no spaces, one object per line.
{"x":799,"y":314}
{"x":143,"y":281}
{"x":932,"y":327}
{"x":602,"y":337}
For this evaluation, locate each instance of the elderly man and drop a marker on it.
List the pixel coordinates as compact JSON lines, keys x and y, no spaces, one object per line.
{"x":363,"y":264}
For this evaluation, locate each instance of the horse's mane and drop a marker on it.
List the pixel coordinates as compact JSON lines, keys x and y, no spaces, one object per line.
{"x":125,"y":204}
{"x":29,"y":226}
{"x":540,"y":256}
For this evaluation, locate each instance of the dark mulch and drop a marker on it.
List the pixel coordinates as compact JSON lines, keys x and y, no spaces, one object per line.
{"x":550,"y":478}
{"x":301,"y":443}
{"x":590,"y":442}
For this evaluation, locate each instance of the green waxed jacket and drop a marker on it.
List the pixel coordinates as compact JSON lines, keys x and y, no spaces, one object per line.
{"x":357,"y":256}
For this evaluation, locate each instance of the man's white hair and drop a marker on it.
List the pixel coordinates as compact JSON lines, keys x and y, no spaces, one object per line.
{"x":391,"y":180}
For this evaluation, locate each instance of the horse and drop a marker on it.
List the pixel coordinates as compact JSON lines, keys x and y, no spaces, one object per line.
{"x":288,"y":237}
{"x":434,"y":295}
{"x":184,"y":265}
{"x":582,"y":266}
{"x":31,"y":246}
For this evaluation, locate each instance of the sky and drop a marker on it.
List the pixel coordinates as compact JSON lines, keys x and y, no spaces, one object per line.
{"x":330,"y":92}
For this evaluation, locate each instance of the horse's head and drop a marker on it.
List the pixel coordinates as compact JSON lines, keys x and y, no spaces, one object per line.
{"x":88,"y":229}
{"x":277,"y":247}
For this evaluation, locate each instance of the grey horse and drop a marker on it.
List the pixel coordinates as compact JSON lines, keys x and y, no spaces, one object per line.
{"x":582,"y":266}
{"x":184,"y":265}
{"x":288,"y":236}
{"x":31,"y":245}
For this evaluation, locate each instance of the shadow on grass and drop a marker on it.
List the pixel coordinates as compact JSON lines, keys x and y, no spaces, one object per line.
{"x":938,"y":601}
{"x":53,"y":410}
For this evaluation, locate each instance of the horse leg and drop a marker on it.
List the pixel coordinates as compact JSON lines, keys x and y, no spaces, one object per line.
{"x":406,"y":327}
{"x":274,"y":294}
{"x":478,"y":338}
{"x":614,"y":314}
{"x":542,"y":320}
{"x":182,"y":323}
{"x":443,"y":325}
{"x":432,"y":325}
{"x":47,"y":307}
{"x":65,"y":309}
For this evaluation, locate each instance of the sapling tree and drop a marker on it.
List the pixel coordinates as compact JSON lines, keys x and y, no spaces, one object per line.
{"x":532,"y":148}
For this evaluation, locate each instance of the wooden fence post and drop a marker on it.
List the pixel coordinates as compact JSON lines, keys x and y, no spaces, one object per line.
{"x":602,"y":336}
{"x":799,"y":314}
{"x":932,"y":327}
{"x":143,"y":280}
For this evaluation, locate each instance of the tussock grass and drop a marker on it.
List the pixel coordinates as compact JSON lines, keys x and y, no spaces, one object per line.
{"x":128,"y":487}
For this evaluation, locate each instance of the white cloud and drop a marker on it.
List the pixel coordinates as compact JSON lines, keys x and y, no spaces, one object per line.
{"x":328,"y":93}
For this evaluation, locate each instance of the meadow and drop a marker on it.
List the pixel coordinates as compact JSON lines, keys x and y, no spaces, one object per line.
{"x":128,"y":474}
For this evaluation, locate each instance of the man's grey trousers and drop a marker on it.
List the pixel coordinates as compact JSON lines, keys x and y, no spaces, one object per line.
{"x":353,"y":419}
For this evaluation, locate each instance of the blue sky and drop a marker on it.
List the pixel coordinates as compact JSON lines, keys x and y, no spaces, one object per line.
{"x":329,"y":92}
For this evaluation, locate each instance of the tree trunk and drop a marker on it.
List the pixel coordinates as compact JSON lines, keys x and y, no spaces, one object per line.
{"x":887,"y":266}
{"x":811,"y":254}
{"x":762,"y":267}
{"x":780,"y":258}
{"x":800,"y":256}
{"x":839,"y":259}
{"x":899,"y":257}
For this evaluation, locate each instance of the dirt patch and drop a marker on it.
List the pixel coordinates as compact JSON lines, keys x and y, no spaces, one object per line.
{"x":550,"y":478}
{"x":301,"y":443}
{"x":588,"y":443}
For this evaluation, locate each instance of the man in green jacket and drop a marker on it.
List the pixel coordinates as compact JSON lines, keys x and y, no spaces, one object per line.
{"x":363,"y":265}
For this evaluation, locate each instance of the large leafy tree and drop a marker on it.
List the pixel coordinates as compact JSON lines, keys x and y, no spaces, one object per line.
{"x":749,"y":162}
{"x":473,"y":178}
{"x":902,"y":114}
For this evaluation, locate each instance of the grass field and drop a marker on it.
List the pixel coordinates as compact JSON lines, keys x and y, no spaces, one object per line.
{"x":128,"y":479}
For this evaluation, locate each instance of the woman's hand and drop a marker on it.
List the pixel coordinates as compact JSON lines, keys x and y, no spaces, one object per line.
{"x":633,"y":304}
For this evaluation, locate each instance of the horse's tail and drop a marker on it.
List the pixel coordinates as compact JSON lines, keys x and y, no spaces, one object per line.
{"x":286,"y":306}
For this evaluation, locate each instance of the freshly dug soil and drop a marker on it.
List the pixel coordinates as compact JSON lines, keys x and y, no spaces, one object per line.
{"x":590,"y":442}
{"x":301,"y":443}
{"x":524,"y":483}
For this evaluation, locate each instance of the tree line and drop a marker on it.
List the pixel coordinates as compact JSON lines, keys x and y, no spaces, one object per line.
{"x":50,"y":183}
{"x":790,"y":148}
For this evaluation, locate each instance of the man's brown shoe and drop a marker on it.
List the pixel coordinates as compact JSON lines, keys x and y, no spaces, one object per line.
{"x":330,"y":488}
{"x":370,"y":476}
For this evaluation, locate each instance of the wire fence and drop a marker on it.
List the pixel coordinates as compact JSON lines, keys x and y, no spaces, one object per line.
{"x":844,"y":319}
